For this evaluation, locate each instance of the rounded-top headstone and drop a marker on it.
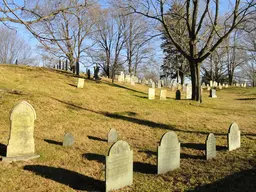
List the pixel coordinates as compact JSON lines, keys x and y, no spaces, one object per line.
{"x":168,"y":153}
{"x":68,"y":140}
{"x":168,"y":138}
{"x":119,"y":147}
{"x":210,"y":150}
{"x":23,"y":108}
{"x":178,"y":95}
{"x":21,"y":142}
{"x":233,"y":137}
{"x":112,"y":136}
{"x":233,"y":128}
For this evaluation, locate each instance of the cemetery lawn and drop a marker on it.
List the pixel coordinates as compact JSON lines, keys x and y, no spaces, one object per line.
{"x":89,"y":113}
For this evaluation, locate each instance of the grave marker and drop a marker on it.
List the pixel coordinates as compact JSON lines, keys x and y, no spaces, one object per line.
{"x":151,"y":93}
{"x":68,"y":140}
{"x":163,"y":93}
{"x":112,"y":136}
{"x":233,"y":137}
{"x":210,"y":146}
{"x":168,"y":153}
{"x":119,"y":166}
{"x":80,"y":83}
{"x":213,"y":93}
{"x":21,"y":145}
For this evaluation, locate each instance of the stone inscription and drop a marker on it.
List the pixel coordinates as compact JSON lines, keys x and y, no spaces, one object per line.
{"x":21,"y":140}
{"x":119,"y":166}
{"x":168,"y":153}
{"x":233,"y":137}
{"x":210,"y":150}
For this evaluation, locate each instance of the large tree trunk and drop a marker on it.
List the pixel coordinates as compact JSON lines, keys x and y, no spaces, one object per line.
{"x":195,"y":80}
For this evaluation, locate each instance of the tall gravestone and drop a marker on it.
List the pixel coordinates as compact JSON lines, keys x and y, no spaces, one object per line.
{"x":213,"y":93}
{"x":233,"y":137}
{"x":68,"y":140}
{"x":159,"y":84}
{"x":188,"y":92}
{"x":21,"y":145}
{"x":163,"y":94}
{"x":168,"y":153}
{"x":119,"y":166}
{"x":178,"y":95}
{"x":210,"y":146}
{"x":80,"y":83}
{"x":151,"y":93}
{"x":112,"y":136}
{"x":88,"y":74}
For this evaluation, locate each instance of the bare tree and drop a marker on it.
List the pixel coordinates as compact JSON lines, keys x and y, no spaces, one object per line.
{"x":14,"y":48}
{"x":201,"y":26}
{"x":109,"y":40}
{"x":73,"y":26}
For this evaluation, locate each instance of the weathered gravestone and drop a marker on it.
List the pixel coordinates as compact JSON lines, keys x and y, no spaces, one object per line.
{"x":163,"y":94}
{"x":210,"y":146}
{"x":88,"y":74}
{"x":151,"y":93}
{"x":21,"y":145}
{"x":168,"y":153}
{"x":119,"y":166}
{"x":233,"y":137}
{"x":68,"y":140}
{"x":213,"y":93}
{"x":178,"y":95}
{"x":133,"y":80}
{"x":80,"y":83}
{"x":112,"y":136}
{"x":188,"y":92}
{"x":159,"y":84}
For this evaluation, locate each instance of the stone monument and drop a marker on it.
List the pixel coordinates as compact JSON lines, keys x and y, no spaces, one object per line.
{"x":119,"y":166}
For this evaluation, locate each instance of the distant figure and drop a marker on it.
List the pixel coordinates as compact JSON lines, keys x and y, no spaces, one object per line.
{"x":88,"y":74}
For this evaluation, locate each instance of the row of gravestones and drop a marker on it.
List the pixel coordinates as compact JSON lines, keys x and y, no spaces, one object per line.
{"x":119,"y":162}
{"x":188,"y":93}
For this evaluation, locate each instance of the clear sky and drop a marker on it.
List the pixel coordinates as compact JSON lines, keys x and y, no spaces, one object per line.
{"x":224,"y":6}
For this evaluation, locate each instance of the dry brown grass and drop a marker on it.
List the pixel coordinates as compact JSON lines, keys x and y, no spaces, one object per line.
{"x":90,"y":112}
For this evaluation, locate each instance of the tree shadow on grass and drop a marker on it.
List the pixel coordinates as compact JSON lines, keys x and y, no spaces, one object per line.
{"x":3,"y":149}
{"x":148,"y":152}
{"x":189,"y":156}
{"x":142,"y":97}
{"x":72,"y":179}
{"x":72,"y":85}
{"x":53,"y":142}
{"x":93,"y":156}
{"x":246,"y":99}
{"x":123,"y":87}
{"x":241,"y":181}
{"x":201,"y":146}
{"x":134,"y":119}
{"x":145,"y":168}
{"x":96,"y":138}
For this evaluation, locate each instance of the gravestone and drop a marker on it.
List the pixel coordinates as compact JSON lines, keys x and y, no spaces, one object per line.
{"x":68,"y":140}
{"x":233,"y":137}
{"x":178,"y":95}
{"x":112,"y":136}
{"x":119,"y":166}
{"x":168,"y":153}
{"x":127,"y":78}
{"x":80,"y":83}
{"x":159,"y":84}
{"x":151,"y":93}
{"x":188,"y":92}
{"x":210,"y":149}
{"x":121,"y":77}
{"x":21,"y":145}
{"x":153,"y":85}
{"x":163,"y":94}
{"x":213,"y":93}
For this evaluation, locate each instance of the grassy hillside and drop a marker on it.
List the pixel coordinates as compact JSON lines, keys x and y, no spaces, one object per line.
{"x":90,"y":112}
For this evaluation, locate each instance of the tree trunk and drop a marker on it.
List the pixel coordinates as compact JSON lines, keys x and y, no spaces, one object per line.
{"x":195,"y":80}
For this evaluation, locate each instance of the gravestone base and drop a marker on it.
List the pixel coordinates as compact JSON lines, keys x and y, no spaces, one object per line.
{"x":20,"y":158}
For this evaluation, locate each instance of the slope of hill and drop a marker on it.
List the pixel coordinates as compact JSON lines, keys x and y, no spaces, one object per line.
{"x":90,"y":112}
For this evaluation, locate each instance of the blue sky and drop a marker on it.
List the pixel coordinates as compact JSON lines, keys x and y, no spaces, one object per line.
{"x":33,"y":42}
